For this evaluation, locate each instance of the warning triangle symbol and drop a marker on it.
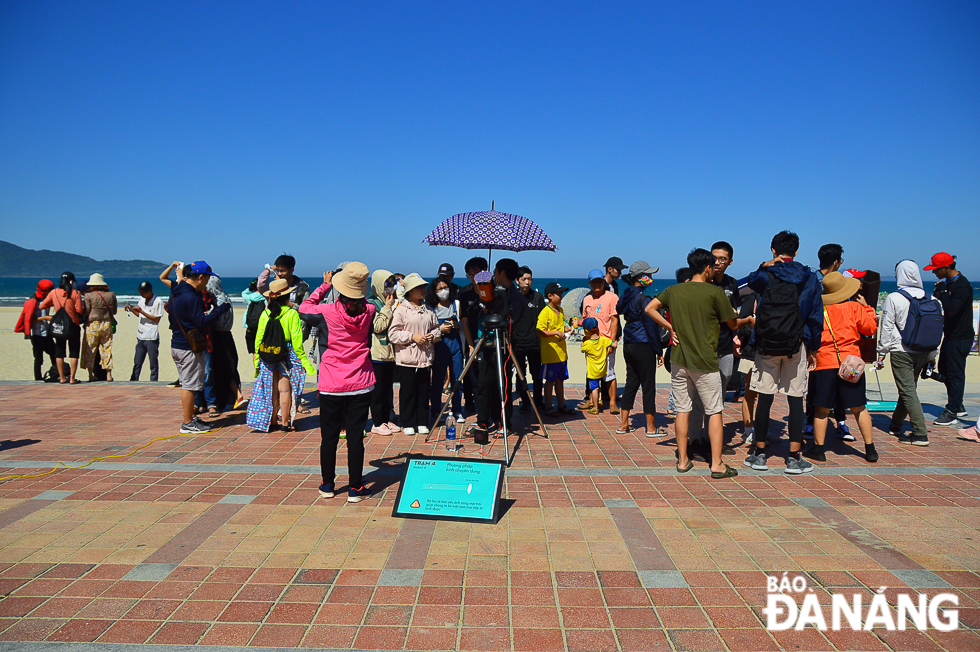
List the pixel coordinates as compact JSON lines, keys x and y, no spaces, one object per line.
{"x":415,"y":504}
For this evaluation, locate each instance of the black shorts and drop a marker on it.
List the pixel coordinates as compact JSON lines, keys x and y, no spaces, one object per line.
{"x":828,"y":387}
{"x":72,"y":345}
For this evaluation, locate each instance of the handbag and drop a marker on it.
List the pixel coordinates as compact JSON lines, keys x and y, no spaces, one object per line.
{"x":851,"y":367}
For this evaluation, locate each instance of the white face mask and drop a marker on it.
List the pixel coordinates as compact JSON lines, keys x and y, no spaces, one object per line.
{"x":442,"y":294}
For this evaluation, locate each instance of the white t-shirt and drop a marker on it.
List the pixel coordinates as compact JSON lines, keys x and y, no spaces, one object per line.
{"x":147,"y":330}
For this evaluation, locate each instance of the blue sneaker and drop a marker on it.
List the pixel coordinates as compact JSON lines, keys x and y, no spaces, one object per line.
{"x":357,"y":495}
{"x":326,"y":491}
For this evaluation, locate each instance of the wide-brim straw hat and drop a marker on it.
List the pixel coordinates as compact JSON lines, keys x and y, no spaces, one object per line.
{"x":413,"y":281}
{"x":352,"y":281}
{"x":96,"y":279}
{"x":277,"y":288}
{"x":838,"y":288}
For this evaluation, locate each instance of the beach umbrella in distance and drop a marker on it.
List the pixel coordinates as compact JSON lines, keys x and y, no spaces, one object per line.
{"x":572,"y":301}
{"x":490,"y":230}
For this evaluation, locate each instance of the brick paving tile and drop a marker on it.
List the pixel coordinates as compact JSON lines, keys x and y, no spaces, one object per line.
{"x":230,"y":634}
{"x":484,"y":638}
{"x":174,"y":633}
{"x":381,"y":638}
{"x":80,"y":630}
{"x":31,"y":629}
{"x":130,"y":631}
{"x":538,"y":640}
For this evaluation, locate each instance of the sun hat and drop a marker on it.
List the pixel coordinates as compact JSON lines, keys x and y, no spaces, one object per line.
{"x":596,"y":273}
{"x":616,"y":262}
{"x":554,"y":288}
{"x":838,"y":288}
{"x":590,"y":324}
{"x":942,"y":259}
{"x":352,"y":282}
{"x":95,"y":279}
{"x":277,"y":288}
{"x":413,"y":281}
{"x":855,"y":273}
{"x":202,"y":267}
{"x":641,"y":267}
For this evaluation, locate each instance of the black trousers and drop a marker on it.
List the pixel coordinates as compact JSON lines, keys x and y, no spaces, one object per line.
{"x":470,"y":381}
{"x":528,"y":360}
{"x":488,"y":390}
{"x":42,"y":346}
{"x":337,"y":412}
{"x":146,"y":348}
{"x":952,"y":364}
{"x":413,"y":396}
{"x":383,"y":394}
{"x":641,"y":371}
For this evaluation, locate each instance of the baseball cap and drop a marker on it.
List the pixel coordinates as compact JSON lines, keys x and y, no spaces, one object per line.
{"x":942,"y":259}
{"x":616,"y":262}
{"x":554,"y":288}
{"x":855,"y":273}
{"x":202,"y":267}
{"x":446,"y":269}
{"x":641,"y":267}
{"x":590,"y":324}
{"x":145,"y":286}
{"x":596,"y":273}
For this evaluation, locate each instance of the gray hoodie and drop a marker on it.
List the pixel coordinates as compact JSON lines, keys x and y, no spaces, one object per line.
{"x":896,"y":309}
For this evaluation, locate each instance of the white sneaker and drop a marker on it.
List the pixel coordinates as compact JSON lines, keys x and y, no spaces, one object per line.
{"x":422,"y":430}
{"x":408,"y":431}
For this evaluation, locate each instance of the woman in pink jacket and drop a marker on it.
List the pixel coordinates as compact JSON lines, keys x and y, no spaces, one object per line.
{"x":413,"y":330}
{"x":346,"y":376}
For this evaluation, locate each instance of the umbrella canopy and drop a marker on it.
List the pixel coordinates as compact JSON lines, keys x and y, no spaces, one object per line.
{"x":491,"y":230}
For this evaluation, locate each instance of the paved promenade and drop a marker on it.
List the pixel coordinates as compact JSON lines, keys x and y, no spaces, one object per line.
{"x":222,"y":540}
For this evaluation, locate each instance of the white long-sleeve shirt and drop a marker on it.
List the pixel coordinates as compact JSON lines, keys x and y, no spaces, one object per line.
{"x":895,"y":312}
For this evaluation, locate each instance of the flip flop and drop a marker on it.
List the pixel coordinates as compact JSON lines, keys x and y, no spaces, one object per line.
{"x":552,"y":413}
{"x":628,"y":430}
{"x":690,"y":465}
{"x":729,"y":472}
{"x":241,"y":403}
{"x":659,"y":431}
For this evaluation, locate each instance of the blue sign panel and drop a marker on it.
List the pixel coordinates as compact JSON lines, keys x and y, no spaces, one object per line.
{"x":451,"y":489}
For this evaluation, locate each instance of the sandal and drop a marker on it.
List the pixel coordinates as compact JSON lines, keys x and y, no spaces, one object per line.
{"x":286,"y":428}
{"x":213,"y":412}
{"x":592,"y":410}
{"x":690,"y":465}
{"x":303,"y":410}
{"x":659,"y":431}
{"x":729,"y":472}
{"x":628,"y":430}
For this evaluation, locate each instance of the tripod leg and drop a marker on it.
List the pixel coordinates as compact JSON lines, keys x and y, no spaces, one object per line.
{"x":459,"y":381}
{"x":537,"y":414}
{"x":503,"y":400}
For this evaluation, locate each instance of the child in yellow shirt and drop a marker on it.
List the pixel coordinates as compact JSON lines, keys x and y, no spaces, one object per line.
{"x":552,"y":332}
{"x":596,"y":349}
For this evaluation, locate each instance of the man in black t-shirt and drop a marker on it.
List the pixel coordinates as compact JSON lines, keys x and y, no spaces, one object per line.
{"x":525,"y":342}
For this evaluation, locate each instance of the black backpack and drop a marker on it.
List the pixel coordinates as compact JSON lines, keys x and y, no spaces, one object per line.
{"x":252,"y":315}
{"x":779,"y":320}
{"x":272,"y":349}
{"x":61,"y":322}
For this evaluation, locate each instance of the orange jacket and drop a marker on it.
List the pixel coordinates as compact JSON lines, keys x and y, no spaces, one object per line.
{"x":848,"y":321}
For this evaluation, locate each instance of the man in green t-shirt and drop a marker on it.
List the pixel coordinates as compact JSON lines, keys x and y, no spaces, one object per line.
{"x":697,"y":310}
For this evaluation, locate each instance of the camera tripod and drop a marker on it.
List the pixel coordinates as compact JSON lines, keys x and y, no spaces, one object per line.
{"x":494,"y":325}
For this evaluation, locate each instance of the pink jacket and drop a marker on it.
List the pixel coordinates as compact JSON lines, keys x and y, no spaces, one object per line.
{"x":346,"y":364}
{"x":410,"y":320}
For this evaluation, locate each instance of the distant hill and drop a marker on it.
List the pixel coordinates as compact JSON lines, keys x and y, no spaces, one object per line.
{"x":18,"y":262}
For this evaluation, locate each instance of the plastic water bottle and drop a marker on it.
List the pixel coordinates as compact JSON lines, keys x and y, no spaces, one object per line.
{"x":450,"y":434}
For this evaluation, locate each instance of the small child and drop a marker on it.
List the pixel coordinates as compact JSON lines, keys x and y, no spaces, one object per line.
{"x":552,"y":333}
{"x":596,"y":349}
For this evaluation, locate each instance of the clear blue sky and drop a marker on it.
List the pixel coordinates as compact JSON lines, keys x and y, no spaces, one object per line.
{"x":348,"y":130}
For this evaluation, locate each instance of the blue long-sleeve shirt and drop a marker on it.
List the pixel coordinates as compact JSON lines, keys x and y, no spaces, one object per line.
{"x":187,"y":308}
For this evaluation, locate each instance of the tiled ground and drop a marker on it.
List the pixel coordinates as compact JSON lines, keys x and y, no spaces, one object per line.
{"x":222,"y":540}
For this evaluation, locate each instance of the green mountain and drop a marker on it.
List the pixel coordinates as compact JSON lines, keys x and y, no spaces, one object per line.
{"x":19,"y":262}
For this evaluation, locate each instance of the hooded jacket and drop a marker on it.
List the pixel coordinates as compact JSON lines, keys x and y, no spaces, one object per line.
{"x":381,"y":350}
{"x":345,"y":365}
{"x":408,"y":320}
{"x":811,"y":304}
{"x":187,"y":310}
{"x":30,"y":313}
{"x":895,"y":312}
{"x":639,"y":327}
{"x":227,"y":320}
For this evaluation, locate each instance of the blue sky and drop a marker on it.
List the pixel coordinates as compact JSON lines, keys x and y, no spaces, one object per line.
{"x":348,"y":130}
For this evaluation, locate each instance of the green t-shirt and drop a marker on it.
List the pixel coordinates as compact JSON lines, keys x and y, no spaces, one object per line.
{"x":696,"y":312}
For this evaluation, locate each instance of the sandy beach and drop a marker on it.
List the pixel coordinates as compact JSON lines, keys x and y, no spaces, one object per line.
{"x":16,"y":361}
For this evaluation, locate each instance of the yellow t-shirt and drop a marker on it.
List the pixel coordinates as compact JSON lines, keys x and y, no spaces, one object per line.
{"x":552,"y":347}
{"x":595,"y":357}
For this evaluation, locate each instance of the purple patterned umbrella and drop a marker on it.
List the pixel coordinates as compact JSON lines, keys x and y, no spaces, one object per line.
{"x":491,"y":230}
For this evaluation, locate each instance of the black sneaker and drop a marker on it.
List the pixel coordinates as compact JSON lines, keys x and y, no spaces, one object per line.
{"x":815,"y":454}
{"x":194,"y":428}
{"x":525,"y":408}
{"x":918,"y":441}
{"x":947,"y":418}
{"x":176,"y":383}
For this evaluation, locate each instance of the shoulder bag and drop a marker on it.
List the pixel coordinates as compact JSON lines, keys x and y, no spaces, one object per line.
{"x":852,"y":367}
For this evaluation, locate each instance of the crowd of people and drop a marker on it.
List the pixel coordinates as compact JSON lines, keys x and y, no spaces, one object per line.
{"x":454,"y":350}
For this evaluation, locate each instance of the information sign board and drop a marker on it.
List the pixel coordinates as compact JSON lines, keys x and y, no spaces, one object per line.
{"x":450,"y":489}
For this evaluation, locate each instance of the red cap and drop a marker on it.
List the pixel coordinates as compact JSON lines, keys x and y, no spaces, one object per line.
{"x":942,"y":259}
{"x":855,"y":273}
